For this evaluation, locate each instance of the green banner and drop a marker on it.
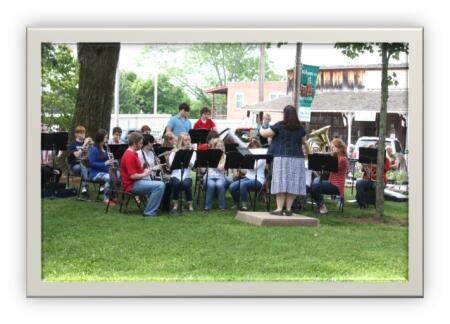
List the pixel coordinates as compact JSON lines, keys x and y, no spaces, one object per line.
{"x":308,"y":80}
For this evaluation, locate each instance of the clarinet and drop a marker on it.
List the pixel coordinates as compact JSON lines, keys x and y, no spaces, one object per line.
{"x":115,"y":164}
{"x":146,"y":165}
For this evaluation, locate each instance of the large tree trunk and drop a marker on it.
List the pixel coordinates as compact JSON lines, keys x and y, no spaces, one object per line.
{"x":95,"y":98}
{"x":382,"y":132}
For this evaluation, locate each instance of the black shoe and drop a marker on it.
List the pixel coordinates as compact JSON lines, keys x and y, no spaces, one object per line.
{"x":276,"y":213}
{"x":288,"y":213}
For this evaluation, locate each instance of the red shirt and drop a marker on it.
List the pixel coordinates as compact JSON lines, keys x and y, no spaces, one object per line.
{"x":338,"y":178}
{"x":129,"y":165}
{"x":201,"y":125}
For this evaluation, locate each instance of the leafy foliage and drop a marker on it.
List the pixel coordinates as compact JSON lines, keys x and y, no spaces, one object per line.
{"x":59,"y":85}
{"x":136,"y":95}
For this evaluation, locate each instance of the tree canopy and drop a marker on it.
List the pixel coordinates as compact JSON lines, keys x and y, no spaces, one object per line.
{"x":59,"y":75}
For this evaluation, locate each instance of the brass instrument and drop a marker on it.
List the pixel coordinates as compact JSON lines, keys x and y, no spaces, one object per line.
{"x":318,"y":141}
{"x":87,"y":145}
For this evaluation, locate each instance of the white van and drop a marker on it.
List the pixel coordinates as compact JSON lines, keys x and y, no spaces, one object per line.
{"x":366,"y":141}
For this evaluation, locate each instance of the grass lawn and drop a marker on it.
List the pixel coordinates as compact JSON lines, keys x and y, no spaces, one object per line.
{"x":82,"y":243}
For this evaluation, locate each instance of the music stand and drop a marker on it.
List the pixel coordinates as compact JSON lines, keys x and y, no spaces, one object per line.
{"x":161,"y":152}
{"x":198,"y":136}
{"x":368,"y":155}
{"x":118,"y":150}
{"x":208,"y":159}
{"x":181,"y":161}
{"x":232,"y":147}
{"x":54,"y":142}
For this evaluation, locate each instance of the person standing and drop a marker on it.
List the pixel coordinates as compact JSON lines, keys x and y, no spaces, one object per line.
{"x":336,"y":182}
{"x":205,"y":121}
{"x":265,"y":125}
{"x":180,"y":123}
{"x":137,"y":180}
{"x":288,"y":175}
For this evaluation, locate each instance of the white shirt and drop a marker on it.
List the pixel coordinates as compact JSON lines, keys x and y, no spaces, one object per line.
{"x":186,"y":172}
{"x":260,"y":166}
{"x":150,"y":156}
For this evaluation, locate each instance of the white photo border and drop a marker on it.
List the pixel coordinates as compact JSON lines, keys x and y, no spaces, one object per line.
{"x":412,"y":288}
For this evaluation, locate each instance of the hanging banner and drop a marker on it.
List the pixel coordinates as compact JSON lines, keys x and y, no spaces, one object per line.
{"x":308,"y":80}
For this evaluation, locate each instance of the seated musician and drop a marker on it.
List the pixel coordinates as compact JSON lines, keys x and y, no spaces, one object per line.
{"x":137,"y":180}
{"x":78,"y":150}
{"x":184,"y":143}
{"x":335,"y":185}
{"x":248,"y":182}
{"x":116,"y":136}
{"x":145,"y":129}
{"x":147,"y":156}
{"x":368,"y":182}
{"x":49,"y":173}
{"x":216,"y":178}
{"x":100,"y":164}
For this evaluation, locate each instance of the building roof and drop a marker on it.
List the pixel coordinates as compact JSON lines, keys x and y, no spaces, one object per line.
{"x":341,"y":101}
{"x":219,"y":89}
{"x":361,"y":67}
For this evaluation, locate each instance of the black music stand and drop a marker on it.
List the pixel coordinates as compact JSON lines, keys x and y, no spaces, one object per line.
{"x":161,"y":153}
{"x":368,"y":155}
{"x":255,"y":158}
{"x":208,"y":159}
{"x":232,"y":147}
{"x":198,"y":136}
{"x":54,"y":142}
{"x":322,"y":162}
{"x":181,"y":161}
{"x":117,"y":150}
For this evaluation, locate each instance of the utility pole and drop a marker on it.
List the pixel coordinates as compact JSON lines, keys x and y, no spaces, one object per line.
{"x":298,"y":69}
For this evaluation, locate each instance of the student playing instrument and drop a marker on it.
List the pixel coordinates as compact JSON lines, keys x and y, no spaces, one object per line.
{"x":184,"y":143}
{"x":205,"y":121}
{"x":216,"y":178}
{"x":248,"y":182}
{"x":99,"y":164}
{"x":78,"y":150}
{"x":336,"y":182}
{"x":368,"y":182}
{"x":136,"y":180}
{"x":147,"y":156}
{"x":116,"y":136}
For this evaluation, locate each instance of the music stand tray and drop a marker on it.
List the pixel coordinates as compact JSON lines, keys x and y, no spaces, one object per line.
{"x":198,"y":136}
{"x":322,"y":162}
{"x":233,"y":147}
{"x":118,"y":150}
{"x":209,"y":158}
{"x":54,"y":141}
{"x":368,"y":155}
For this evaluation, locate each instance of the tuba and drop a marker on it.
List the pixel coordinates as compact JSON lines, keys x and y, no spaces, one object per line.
{"x":318,"y":141}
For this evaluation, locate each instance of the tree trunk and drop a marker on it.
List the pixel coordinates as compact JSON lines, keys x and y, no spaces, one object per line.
{"x":382,"y":133}
{"x":95,"y":98}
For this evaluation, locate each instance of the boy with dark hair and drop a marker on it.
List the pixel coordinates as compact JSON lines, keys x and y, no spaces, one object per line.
{"x":205,"y":121}
{"x":136,"y":180}
{"x":180,"y":123}
{"x":116,"y":136}
{"x":146,"y":130}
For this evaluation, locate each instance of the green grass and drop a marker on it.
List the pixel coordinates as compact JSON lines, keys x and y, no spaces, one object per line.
{"x":82,"y":243}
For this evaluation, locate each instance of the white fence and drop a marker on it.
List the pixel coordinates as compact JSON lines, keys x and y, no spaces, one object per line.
{"x":158,"y":122}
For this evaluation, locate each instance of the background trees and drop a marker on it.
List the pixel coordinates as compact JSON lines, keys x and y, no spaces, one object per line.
{"x":59,"y":85}
{"x":386,"y":51}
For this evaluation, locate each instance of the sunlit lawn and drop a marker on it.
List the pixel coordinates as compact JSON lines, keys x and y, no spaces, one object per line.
{"x":82,"y":243}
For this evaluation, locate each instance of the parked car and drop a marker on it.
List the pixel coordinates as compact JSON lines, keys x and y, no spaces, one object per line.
{"x":245,"y":133}
{"x":366,"y":141}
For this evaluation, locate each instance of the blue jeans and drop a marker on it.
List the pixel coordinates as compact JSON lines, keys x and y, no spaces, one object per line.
{"x":362,"y":186}
{"x":323,"y":187}
{"x":77,"y":169}
{"x":177,"y":186}
{"x":154,"y":190}
{"x":214,"y":184}
{"x":105,"y":179}
{"x":246,"y":184}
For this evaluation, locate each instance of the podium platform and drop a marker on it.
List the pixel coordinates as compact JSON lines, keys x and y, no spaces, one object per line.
{"x":265,"y":219}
